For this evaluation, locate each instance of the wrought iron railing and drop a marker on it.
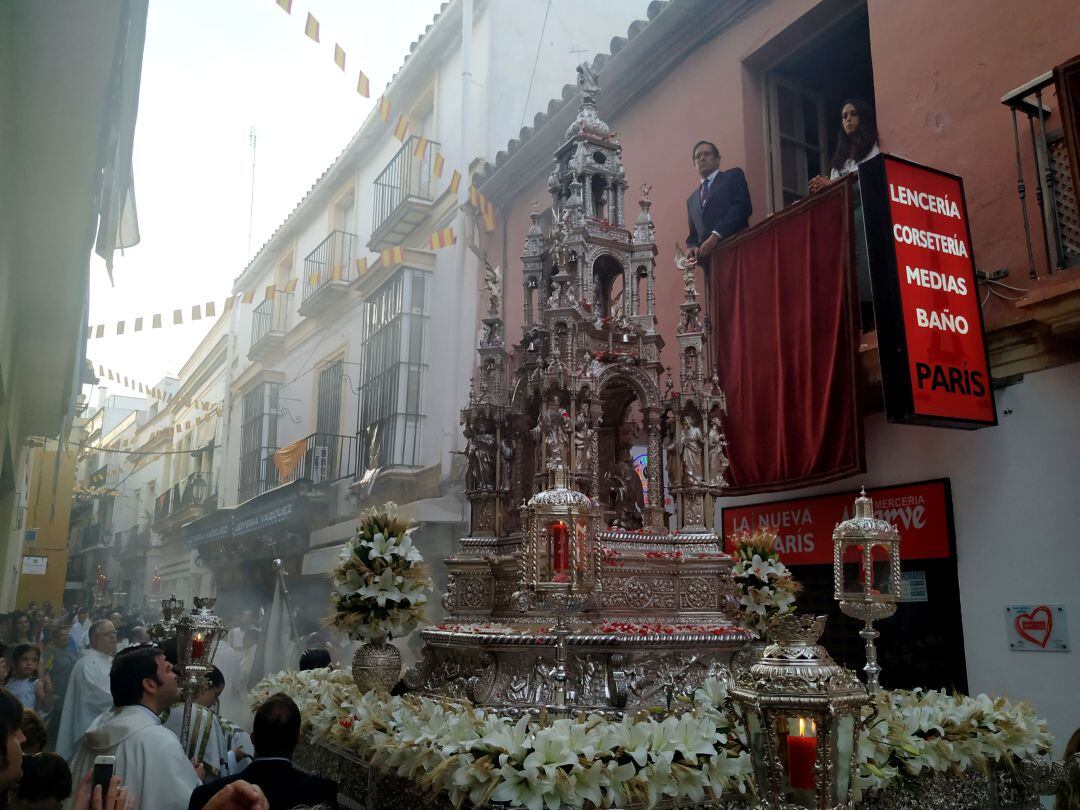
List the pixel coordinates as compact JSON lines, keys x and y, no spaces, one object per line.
{"x":323,"y":459}
{"x":271,"y":317}
{"x":1057,"y":200}
{"x":405,"y":176}
{"x":195,"y":490}
{"x":331,"y":261}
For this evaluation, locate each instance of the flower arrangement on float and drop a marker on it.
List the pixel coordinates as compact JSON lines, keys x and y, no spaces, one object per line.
{"x":691,"y":756}
{"x":766,"y":585}
{"x":379,"y":592}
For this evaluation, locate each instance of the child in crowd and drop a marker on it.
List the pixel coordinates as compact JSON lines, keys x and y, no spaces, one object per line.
{"x":45,"y":783}
{"x":22,"y":680}
{"x":33,"y":729}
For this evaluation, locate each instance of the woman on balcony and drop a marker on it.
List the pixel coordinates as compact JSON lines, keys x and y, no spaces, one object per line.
{"x":856,"y":144}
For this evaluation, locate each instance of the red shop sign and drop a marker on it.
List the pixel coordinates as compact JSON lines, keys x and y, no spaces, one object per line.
{"x":921,"y":512}
{"x":929,"y":321}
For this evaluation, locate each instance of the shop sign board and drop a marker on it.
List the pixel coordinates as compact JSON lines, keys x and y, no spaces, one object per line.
{"x":1037,"y":628}
{"x":922,"y":512}
{"x":931,"y":343}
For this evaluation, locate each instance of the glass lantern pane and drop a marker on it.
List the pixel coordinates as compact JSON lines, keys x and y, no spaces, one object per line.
{"x":559,"y":551}
{"x":881,"y":569}
{"x":844,"y":739}
{"x":853,"y":573}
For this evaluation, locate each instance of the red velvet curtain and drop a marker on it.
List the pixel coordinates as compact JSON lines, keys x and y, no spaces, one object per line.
{"x":785,"y":334}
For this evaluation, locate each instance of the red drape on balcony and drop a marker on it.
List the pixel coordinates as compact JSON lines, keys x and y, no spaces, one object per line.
{"x":785,"y":336}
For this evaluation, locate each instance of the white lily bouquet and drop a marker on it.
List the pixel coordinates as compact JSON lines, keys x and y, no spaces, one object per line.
{"x":380,"y":586}
{"x":766,"y":585}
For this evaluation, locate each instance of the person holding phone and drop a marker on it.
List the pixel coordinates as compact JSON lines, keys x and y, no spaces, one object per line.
{"x":149,"y":759}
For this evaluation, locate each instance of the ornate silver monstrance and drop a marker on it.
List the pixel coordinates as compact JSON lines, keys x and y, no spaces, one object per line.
{"x":561,"y":515}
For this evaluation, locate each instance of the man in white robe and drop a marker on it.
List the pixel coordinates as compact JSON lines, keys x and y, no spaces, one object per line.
{"x":236,"y":635}
{"x":150,"y":762}
{"x":87,"y":693}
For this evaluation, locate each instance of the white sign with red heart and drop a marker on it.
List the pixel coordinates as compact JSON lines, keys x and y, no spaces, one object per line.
{"x":1039,"y":628}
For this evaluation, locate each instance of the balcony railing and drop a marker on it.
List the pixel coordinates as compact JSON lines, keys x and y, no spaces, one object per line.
{"x":406,"y":179}
{"x":323,"y":459}
{"x":332,"y":261}
{"x":270,"y":319}
{"x":193,"y":491}
{"x":90,"y":536}
{"x":1058,"y":238}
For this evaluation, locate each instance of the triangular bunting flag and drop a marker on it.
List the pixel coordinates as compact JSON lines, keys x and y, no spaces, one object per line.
{"x":286,"y":5}
{"x":339,"y":56}
{"x":455,"y":182}
{"x":363,"y":86}
{"x":384,"y":110}
{"x":439,"y":162}
{"x":311,"y":27}
{"x":402,"y":128}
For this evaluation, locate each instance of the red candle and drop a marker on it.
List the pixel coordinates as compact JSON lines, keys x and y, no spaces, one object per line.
{"x":802,"y":751}
{"x":560,"y":548}
{"x":197,"y":646}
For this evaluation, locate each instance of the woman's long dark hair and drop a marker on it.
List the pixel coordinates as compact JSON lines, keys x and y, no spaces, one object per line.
{"x":857,"y":145}
{"x":11,"y":712}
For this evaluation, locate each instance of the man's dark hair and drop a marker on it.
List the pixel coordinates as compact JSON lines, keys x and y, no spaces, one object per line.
{"x":44,"y":776}
{"x":314,"y":659}
{"x":276,"y":727}
{"x":214,"y":679}
{"x":33,"y":728}
{"x":710,"y":144}
{"x":130,"y":668}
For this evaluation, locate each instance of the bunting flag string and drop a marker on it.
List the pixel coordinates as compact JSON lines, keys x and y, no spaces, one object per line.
{"x":132,"y":383}
{"x":139,"y":323}
{"x":313,"y":31}
{"x":402,"y":126}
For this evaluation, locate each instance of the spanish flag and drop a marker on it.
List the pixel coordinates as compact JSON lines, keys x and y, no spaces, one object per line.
{"x":421,"y":147}
{"x":335,"y":273}
{"x":290,"y":285}
{"x":269,"y":292}
{"x":391,"y":256}
{"x":489,"y":216}
{"x":475,"y":198}
{"x":248,"y":297}
{"x":196,"y":312}
{"x":177,"y":316}
{"x":455,"y":181}
{"x":444,"y":237}
{"x":363,"y":86}
{"x":210,"y":309}
{"x":339,"y":56}
{"x":439,"y":161}
{"x":384,"y":109}
{"x":311,"y":28}
{"x":100,"y":332}
{"x":286,"y":5}
{"x":361,"y":267}
{"x":402,"y":128}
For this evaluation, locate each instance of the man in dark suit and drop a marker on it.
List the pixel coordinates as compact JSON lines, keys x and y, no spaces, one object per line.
{"x":719,"y":206}
{"x":275,"y":733}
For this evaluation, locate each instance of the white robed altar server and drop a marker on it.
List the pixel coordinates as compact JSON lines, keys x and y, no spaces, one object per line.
{"x":149,"y":758}
{"x":87,"y":693}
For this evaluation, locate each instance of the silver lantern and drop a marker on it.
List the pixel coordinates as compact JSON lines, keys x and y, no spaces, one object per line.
{"x":802,"y":715}
{"x":866,"y":575}
{"x":197,"y":636}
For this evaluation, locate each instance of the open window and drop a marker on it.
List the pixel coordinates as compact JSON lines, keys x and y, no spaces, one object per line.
{"x":819,"y":64}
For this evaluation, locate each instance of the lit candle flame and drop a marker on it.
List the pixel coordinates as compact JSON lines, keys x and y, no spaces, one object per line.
{"x":802,"y":728}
